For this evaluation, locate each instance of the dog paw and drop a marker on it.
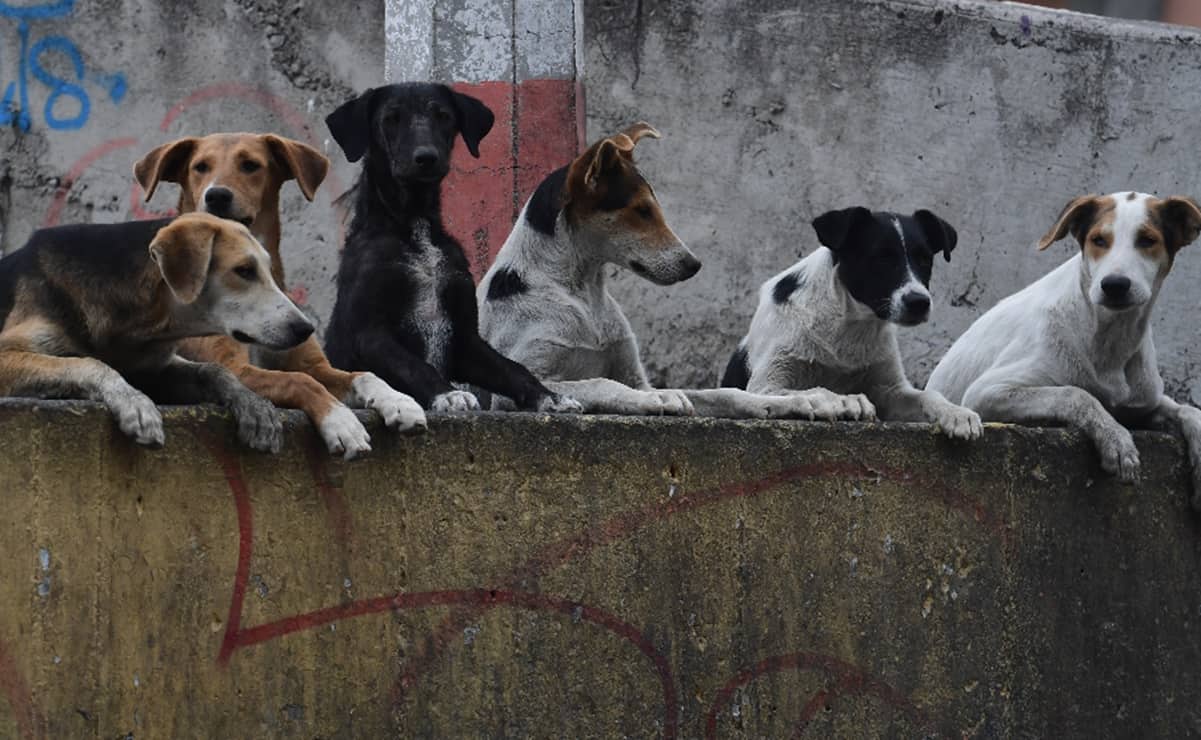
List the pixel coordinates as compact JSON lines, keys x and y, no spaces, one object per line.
{"x":959,"y":423}
{"x":138,"y":417}
{"x":258,"y":421}
{"x":344,"y":434}
{"x":556,"y":404}
{"x":1119,"y":456}
{"x":856,"y":407}
{"x":398,"y":410}
{"x":819,"y":404}
{"x":454,"y":401}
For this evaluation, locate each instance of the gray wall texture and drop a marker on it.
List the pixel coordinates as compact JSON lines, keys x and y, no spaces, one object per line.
{"x":100,"y":82}
{"x":992,"y":114}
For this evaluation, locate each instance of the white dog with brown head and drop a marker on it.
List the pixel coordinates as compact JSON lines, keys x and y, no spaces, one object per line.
{"x":1075,"y":347}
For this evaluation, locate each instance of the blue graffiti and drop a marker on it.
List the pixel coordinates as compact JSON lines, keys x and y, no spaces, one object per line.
{"x":68,"y":104}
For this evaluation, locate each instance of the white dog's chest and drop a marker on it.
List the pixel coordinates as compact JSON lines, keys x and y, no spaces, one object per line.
{"x":429,"y":317}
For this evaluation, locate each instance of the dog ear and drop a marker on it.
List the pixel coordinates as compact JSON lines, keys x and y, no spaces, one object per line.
{"x":939,"y":233}
{"x":606,"y":157}
{"x":475,"y":121}
{"x":834,"y":227}
{"x":350,"y":125}
{"x":628,"y":139}
{"x":1075,"y":217}
{"x":1181,"y":219}
{"x":167,"y":163}
{"x":182,"y":250}
{"x":300,"y":161}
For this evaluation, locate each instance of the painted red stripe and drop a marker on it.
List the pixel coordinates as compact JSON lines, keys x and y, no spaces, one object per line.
{"x":232,"y":469}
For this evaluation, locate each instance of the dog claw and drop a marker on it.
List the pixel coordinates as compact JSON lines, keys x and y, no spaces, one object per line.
{"x":399,"y":411}
{"x":960,"y":423}
{"x":344,"y":434}
{"x":556,"y":404}
{"x":138,"y":417}
{"x":1119,"y":455}
{"x":259,"y":426}
{"x":455,"y":401}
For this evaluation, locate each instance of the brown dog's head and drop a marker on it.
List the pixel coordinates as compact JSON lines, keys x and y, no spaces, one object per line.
{"x":234,"y":176}
{"x":220,"y":279}
{"x":611,"y":207}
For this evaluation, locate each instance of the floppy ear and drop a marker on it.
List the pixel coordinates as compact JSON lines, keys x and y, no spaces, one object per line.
{"x":167,"y":163}
{"x":606,"y":157}
{"x":300,"y":161}
{"x":182,"y":250}
{"x":939,"y":233}
{"x":1181,"y":220}
{"x":834,"y":227}
{"x":1075,"y":217}
{"x":350,"y":125}
{"x":475,"y":121}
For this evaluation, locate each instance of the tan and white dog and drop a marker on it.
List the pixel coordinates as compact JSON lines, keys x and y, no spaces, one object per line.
{"x":1075,"y":347}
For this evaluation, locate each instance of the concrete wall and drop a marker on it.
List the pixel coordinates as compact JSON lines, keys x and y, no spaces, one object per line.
{"x":992,"y":114}
{"x":528,"y":576}
{"x":153,"y":71}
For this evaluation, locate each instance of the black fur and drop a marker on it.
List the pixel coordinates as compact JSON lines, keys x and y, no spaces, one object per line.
{"x":506,"y":283}
{"x":546,"y":202}
{"x":373,"y":326}
{"x":874,"y":260}
{"x":738,"y":372}
{"x":786,"y":286}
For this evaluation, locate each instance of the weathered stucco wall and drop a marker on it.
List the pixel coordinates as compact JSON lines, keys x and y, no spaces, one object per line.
{"x":992,"y":114}
{"x":591,"y":577}
{"x":100,"y":82}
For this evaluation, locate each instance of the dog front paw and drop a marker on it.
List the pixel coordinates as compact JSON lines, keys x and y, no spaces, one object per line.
{"x":1119,"y":456}
{"x":454,"y":402}
{"x":958,"y":422}
{"x":555,"y":404}
{"x":398,"y":410}
{"x":344,"y":434}
{"x":819,"y":404}
{"x":138,"y":417}
{"x":258,"y":421}
{"x":672,"y":403}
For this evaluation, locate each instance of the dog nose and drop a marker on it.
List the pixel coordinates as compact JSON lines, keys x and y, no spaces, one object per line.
{"x":691,"y":266}
{"x":916,"y":304}
{"x":1115,"y":287}
{"x":218,"y":200}
{"x":300,"y":331}
{"x":425,"y":156}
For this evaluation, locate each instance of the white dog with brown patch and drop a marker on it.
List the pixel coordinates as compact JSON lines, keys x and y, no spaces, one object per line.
{"x":1075,"y":347}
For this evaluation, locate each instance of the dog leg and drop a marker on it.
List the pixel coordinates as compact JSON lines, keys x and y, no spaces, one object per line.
{"x":357,"y":390}
{"x":815,"y":404}
{"x":1173,"y":415}
{"x":185,"y":381}
{"x":604,"y":396}
{"x":999,"y":401}
{"x":47,"y":376}
{"x":906,"y":403}
{"x":477,"y":363}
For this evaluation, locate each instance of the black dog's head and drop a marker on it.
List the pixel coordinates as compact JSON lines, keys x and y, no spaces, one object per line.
{"x":410,"y":128}
{"x":884,"y":259}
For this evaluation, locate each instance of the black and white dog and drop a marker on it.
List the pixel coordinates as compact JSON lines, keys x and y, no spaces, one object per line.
{"x":406,"y":302}
{"x":830,"y":320}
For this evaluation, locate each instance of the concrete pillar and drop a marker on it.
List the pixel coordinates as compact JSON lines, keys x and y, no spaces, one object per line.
{"x":521,"y":57}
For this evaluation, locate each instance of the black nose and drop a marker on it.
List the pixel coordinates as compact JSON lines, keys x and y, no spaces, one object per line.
{"x":1115,"y":287}
{"x":691,"y":266}
{"x":218,"y":200}
{"x":916,"y":304}
{"x":300,"y":331}
{"x":425,"y":157}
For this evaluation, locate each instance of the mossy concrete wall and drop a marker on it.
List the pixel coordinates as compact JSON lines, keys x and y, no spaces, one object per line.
{"x":523,"y":575}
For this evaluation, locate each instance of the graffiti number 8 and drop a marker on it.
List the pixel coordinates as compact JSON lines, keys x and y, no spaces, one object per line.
{"x":60,"y":87}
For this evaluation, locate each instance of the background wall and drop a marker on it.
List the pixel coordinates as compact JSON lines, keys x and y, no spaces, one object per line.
{"x":994,"y":115}
{"x":90,"y":85}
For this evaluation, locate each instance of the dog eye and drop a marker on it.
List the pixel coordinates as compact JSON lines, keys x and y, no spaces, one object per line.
{"x":443,"y":116}
{"x":201,"y":167}
{"x":1099,"y":241}
{"x":247,"y":273}
{"x":645,"y":212}
{"x":249,"y":166}
{"x":1144,"y":242}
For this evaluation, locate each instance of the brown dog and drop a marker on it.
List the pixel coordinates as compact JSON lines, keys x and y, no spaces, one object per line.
{"x":238,"y":177}
{"x":93,"y":310}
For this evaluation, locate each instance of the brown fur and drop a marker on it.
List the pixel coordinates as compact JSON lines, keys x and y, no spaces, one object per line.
{"x":304,"y":379}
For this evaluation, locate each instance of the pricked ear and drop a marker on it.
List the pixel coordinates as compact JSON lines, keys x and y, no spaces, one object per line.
{"x":834,"y":227}
{"x":300,"y":161}
{"x":182,"y":250}
{"x":939,"y":233}
{"x":350,"y":125}
{"x":167,"y":163}
{"x":640,"y":130}
{"x":1181,"y":218}
{"x":606,"y":157}
{"x":1075,"y":217}
{"x":475,"y":121}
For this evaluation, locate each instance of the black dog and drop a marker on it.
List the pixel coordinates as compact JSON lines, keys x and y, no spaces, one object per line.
{"x":406,"y":305}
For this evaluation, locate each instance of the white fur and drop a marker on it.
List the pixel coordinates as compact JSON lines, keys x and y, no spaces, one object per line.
{"x":343,"y":433}
{"x":571,"y":333}
{"x":1051,"y":352}
{"x":399,"y":411}
{"x":823,"y":337}
{"x":428,"y":316}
